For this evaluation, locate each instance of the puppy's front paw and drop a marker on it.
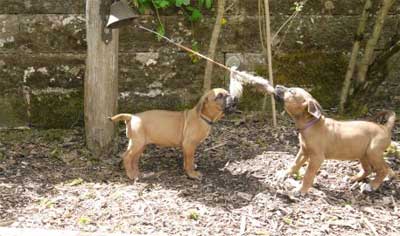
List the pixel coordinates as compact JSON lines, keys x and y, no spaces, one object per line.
{"x":300,"y":191}
{"x":194,"y":175}
{"x":133,"y":175}
{"x":366,"y":188}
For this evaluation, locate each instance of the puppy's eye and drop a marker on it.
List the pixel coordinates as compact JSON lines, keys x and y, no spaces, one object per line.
{"x":220,"y":95}
{"x":292,"y":91}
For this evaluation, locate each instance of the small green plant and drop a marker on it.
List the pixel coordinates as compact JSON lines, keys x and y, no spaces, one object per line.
{"x":75,"y":182}
{"x":298,"y":6}
{"x":297,"y":176}
{"x":392,"y":150}
{"x":287,"y":220}
{"x":193,"y":215}
{"x":262,"y":232}
{"x":83,"y":220}
{"x":47,"y":203}
{"x":195,"y":47}
{"x":56,"y":153}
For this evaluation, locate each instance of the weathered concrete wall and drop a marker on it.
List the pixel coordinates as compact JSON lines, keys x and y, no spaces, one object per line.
{"x":43,"y":50}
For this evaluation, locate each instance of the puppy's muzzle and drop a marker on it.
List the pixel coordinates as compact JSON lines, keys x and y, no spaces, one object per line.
{"x":280,"y":93}
{"x":230,"y":104}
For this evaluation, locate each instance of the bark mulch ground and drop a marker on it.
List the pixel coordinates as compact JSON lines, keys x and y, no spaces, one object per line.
{"x":49,"y":180}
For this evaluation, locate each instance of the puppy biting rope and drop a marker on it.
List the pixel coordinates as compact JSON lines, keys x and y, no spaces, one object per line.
{"x":238,"y":78}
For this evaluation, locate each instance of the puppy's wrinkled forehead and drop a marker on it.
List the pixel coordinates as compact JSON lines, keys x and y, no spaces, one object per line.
{"x":217,"y":93}
{"x":299,"y":93}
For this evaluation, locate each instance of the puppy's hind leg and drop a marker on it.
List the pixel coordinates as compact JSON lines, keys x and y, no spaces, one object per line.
{"x":380,"y":167}
{"x":131,"y":159}
{"x":364,"y":172}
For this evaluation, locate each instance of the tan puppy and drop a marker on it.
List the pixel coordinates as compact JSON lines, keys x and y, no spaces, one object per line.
{"x":185,"y":129}
{"x":324,"y":138}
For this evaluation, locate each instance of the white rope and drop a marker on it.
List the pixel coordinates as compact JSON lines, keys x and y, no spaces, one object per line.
{"x":239,"y":78}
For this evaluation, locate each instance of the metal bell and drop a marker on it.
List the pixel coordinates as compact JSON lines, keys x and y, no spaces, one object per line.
{"x":120,"y":14}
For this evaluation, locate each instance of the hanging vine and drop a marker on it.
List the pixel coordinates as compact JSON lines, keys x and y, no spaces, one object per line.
{"x":192,"y":10}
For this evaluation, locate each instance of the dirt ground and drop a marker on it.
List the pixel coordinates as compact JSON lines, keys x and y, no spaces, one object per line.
{"x":49,"y":180}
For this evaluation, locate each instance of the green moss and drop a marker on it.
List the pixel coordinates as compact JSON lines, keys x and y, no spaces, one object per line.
{"x":9,"y":45}
{"x":322,"y":73}
{"x":53,"y":135}
{"x":13,"y":110}
{"x":57,"y":110}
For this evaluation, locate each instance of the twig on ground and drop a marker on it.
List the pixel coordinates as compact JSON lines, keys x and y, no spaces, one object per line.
{"x":230,"y":7}
{"x":242,"y":224}
{"x":214,"y":147}
{"x":395,"y":208}
{"x":370,"y":226}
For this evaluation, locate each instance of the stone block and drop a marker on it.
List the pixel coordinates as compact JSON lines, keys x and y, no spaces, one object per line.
{"x":43,"y":33}
{"x":313,"y":7}
{"x":42,"y":7}
{"x":56,"y":108}
{"x":13,"y":109}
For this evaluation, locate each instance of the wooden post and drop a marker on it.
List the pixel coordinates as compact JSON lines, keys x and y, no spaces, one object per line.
{"x":101,"y":79}
{"x":269,"y":56}
{"x":207,"y":81}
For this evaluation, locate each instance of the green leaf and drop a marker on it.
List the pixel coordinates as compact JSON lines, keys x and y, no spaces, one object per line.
{"x":193,"y":215}
{"x":161,"y":3}
{"x":195,"y":47}
{"x":143,"y":6}
{"x":209,"y":3}
{"x":201,"y":3}
{"x":287,"y":220}
{"x":224,"y":21}
{"x":160,"y":30}
{"x":196,"y":15}
{"x":46,"y":203}
{"x":74,"y":182}
{"x":179,"y":3}
{"x":84,"y":220}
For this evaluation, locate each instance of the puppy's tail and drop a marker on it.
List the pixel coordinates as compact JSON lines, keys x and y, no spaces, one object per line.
{"x":123,"y":116}
{"x":390,"y":117}
{"x":386,"y":118}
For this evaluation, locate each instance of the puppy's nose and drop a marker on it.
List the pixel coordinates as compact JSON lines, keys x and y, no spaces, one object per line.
{"x":230,"y":101}
{"x":280,"y":91}
{"x":235,"y":101}
{"x":280,"y":87}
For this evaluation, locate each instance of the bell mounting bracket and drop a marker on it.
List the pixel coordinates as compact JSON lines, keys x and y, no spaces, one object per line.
{"x":104,"y":14}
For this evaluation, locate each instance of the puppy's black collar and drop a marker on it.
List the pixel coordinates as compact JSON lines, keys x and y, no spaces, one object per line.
{"x":207,"y":120}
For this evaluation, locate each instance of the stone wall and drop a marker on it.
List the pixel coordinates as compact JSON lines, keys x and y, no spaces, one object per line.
{"x":42,"y":56}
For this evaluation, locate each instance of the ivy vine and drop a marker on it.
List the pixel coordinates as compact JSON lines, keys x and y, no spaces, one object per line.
{"x":191,"y":9}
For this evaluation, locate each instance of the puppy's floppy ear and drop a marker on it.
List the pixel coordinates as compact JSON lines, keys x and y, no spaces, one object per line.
{"x":200,"y":104}
{"x":314,"y":108}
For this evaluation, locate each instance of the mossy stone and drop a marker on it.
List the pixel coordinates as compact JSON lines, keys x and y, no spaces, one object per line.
{"x":57,"y":109}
